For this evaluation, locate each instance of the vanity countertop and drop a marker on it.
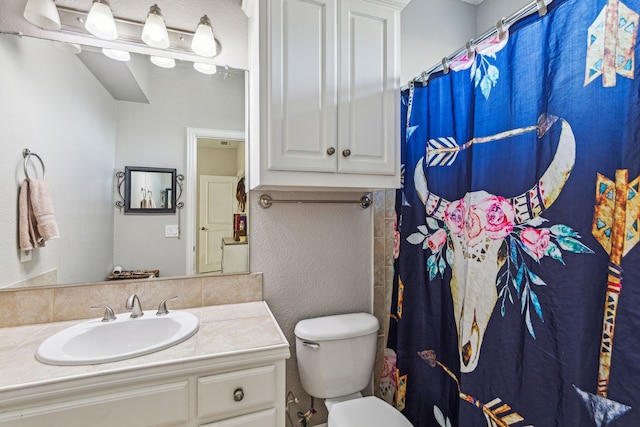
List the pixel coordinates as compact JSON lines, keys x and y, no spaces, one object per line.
{"x":225,"y":330}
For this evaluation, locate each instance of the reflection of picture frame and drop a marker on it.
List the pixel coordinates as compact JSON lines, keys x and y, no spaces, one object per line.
{"x":150,"y":182}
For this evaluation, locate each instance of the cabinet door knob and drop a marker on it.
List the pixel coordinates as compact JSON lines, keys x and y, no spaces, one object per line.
{"x":238,"y":394}
{"x":346,"y":153}
{"x":331,"y":151}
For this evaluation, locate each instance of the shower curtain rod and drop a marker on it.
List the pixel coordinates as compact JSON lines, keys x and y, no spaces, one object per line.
{"x":539,"y":6}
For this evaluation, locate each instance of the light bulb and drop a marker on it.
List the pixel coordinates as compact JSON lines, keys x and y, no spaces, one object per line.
{"x":203,"y":43}
{"x":154,"y":32}
{"x":163,"y":62}
{"x":100,"y":21}
{"x":118,"y":55}
{"x":42,"y":13}
{"x":205,"y":68}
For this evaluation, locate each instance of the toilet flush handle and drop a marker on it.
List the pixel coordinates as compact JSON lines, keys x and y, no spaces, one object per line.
{"x":311,"y":345}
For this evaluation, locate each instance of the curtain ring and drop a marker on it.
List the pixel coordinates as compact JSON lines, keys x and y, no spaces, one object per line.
{"x":500,"y":28}
{"x":445,"y":65}
{"x":470,"y":47}
{"x":542,"y":7}
{"x":425,"y":78}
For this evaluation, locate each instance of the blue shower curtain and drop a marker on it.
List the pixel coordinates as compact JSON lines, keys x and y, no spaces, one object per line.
{"x":516,"y":298}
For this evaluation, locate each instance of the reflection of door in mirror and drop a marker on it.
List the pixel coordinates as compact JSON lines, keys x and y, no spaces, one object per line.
{"x":220,"y":164}
{"x":216,"y":219}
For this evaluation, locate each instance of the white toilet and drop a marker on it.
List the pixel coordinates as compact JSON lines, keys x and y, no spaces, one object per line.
{"x":335,"y":357}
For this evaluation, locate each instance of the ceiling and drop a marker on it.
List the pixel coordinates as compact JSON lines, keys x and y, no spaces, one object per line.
{"x":230,"y":24}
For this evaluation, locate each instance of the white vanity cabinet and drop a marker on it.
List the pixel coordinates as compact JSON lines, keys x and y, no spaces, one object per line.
{"x":244,"y":397}
{"x":215,"y":381}
{"x":324,"y":85}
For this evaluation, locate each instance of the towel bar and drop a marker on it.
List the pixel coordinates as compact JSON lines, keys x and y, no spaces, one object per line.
{"x":266,"y":201}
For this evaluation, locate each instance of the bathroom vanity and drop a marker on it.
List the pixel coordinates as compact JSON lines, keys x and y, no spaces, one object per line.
{"x":231,"y":373}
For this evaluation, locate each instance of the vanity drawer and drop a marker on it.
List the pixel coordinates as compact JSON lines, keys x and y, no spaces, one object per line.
{"x":165,"y":404}
{"x":257,"y":419}
{"x":236,"y":392}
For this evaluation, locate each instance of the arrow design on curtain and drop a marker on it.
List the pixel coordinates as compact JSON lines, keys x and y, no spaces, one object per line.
{"x":616,"y":227}
{"x":611,"y":42}
{"x":496,"y":412}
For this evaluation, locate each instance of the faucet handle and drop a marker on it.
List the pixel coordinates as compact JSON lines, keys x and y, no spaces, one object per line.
{"x":108,"y":312}
{"x":162,"y":308}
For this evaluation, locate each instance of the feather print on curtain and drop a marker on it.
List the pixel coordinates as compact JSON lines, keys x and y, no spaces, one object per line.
{"x":516,"y":297}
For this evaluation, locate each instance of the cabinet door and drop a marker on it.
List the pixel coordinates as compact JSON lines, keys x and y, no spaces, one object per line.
{"x":165,"y":405}
{"x":302,"y":114}
{"x":368,"y":122}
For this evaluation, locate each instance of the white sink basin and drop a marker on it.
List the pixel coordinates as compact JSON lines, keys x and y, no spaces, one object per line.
{"x":95,"y":341}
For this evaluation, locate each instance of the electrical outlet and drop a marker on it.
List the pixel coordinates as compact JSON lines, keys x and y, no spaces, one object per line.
{"x":171,"y":231}
{"x":25,"y":256}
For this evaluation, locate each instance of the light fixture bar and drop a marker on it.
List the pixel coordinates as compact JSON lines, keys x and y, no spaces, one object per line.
{"x":129,"y":32}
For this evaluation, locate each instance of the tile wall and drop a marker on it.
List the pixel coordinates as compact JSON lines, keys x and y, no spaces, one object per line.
{"x":383,"y":246}
{"x":54,"y":304}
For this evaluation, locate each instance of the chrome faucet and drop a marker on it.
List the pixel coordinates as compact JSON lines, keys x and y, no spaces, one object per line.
{"x":133,"y":304}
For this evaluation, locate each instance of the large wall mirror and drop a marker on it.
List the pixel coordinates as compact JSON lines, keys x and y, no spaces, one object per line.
{"x":88,"y":117}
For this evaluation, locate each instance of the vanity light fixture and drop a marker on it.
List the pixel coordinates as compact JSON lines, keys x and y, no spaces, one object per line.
{"x":100,"y":21}
{"x":203,"y":43}
{"x":155,"y":32}
{"x":151,"y":37}
{"x":42,"y":13}
{"x":162,"y":61}
{"x":205,"y":68}
{"x":118,"y":55}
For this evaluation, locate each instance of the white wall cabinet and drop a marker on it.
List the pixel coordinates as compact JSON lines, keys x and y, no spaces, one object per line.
{"x":323,"y":91}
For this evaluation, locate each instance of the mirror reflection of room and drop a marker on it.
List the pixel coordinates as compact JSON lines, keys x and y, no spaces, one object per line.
{"x":94,"y":116}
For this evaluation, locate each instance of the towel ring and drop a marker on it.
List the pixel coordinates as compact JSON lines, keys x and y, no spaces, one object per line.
{"x":26,"y":153}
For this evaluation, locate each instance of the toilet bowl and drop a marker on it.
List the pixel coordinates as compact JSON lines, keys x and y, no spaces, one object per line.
{"x":336,"y":355}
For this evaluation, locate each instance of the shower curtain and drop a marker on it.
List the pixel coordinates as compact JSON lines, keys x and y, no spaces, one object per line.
{"x":516,"y":298}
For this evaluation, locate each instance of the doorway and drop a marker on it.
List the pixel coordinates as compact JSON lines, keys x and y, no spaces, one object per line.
{"x":210,"y":152}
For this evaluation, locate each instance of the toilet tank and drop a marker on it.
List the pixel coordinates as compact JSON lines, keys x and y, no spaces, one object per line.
{"x":336,"y":354}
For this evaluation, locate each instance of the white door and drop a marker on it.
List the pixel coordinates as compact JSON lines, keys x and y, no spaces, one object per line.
{"x":217,"y":196}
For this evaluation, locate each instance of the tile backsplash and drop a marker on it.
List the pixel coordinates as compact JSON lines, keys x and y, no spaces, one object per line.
{"x":70,"y":302}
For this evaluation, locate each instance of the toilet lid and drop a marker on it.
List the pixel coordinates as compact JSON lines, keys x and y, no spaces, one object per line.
{"x":367,"y":411}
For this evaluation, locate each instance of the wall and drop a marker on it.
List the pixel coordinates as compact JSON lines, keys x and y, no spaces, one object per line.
{"x":36,"y":105}
{"x":431,"y":30}
{"x":218,"y":161}
{"x":154,"y":135}
{"x":489,"y":11}
{"x":316,"y":259}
